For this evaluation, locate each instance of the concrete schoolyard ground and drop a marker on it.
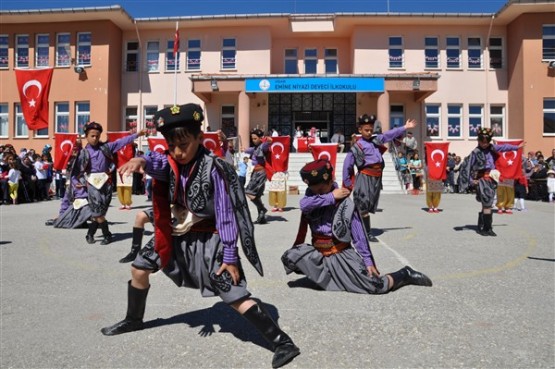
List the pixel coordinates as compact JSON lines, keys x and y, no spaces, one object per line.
{"x":492,"y":304}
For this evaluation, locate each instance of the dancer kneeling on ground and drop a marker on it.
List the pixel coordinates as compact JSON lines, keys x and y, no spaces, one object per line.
{"x":331,"y":261}
{"x":198,"y":250}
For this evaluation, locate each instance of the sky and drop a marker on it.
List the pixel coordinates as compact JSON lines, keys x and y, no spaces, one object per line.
{"x":166,"y":8}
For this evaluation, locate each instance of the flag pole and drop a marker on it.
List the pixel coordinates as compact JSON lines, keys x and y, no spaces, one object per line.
{"x":175,"y":54}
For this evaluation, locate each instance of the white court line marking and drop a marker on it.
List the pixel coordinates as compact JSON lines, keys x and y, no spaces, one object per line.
{"x":399,"y":257}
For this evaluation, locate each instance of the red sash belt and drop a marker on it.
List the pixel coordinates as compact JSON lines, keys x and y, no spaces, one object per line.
{"x":374,"y":170}
{"x":258,"y":168}
{"x":328,"y":245}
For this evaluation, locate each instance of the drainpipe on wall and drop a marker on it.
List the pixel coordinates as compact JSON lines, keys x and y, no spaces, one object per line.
{"x":486,"y":68}
{"x":140,"y":107}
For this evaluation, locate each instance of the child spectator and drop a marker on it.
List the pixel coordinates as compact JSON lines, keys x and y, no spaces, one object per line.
{"x":521,"y":190}
{"x":278,"y":191}
{"x":550,"y":184}
{"x":243,"y":167}
{"x":14,"y":175}
{"x":330,"y":260}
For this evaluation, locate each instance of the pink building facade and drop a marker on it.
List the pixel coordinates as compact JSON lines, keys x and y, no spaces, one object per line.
{"x":451,"y":72}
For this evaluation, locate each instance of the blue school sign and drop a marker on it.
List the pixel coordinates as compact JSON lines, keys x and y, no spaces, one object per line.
{"x":314,"y":84}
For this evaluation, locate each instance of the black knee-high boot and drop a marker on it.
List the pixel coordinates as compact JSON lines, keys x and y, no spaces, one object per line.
{"x":261,"y":211}
{"x":480,"y":222}
{"x":406,"y":276}
{"x":368,"y":229}
{"x":135,"y":245}
{"x":136,"y":303}
{"x":93,"y":226}
{"x":283,"y":346}
{"x":488,"y":225}
{"x":106,"y":233}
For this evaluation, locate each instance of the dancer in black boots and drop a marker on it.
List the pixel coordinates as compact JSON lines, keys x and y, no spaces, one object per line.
{"x":339,"y":257}
{"x":255,"y":187}
{"x":95,"y":166}
{"x":199,"y":249}
{"x":478,"y":169}
{"x":142,"y":218}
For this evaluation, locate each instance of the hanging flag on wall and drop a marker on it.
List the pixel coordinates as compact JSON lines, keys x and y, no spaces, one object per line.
{"x":33,"y":86}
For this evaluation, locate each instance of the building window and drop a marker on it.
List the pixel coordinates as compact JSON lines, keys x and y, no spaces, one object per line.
{"x":41,"y":133}
{"x":454,"y":120}
{"x":229,"y":53}
{"x":193,"y":54}
{"x":21,"y":129}
{"x":84,"y":48}
{"x":22,"y":51}
{"x":497,"y":120}
{"x":475,"y":119}
{"x":330,"y":61}
{"x":148,"y":116}
{"x":431,"y":52}
{"x":396,"y":52}
{"x":310,"y":61}
{"x":228,"y":126}
{"x":131,"y":117}
{"x":82,"y":116}
{"x":4,"y":51}
{"x":63,"y":51}
{"x":549,"y":116}
{"x":496,"y":53}
{"x":396,"y":116}
{"x":171,"y":59}
{"x":132,"y":57}
{"x":42,"y":49}
{"x":62,"y":117}
{"x":3,"y":120}
{"x":433,"y":117}
{"x":291,"y":61}
{"x":152,"y":56}
{"x":453,"y":53}
{"x":474,"y":53}
{"x":548,"y":42}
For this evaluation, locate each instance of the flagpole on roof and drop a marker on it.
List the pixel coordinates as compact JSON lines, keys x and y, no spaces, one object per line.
{"x":175,"y":54}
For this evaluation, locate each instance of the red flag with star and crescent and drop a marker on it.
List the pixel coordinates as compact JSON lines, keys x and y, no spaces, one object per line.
{"x":509,"y":163}
{"x":157,"y":144}
{"x":325,"y":151}
{"x":125,"y":153}
{"x":63,"y":146}
{"x":33,"y":86}
{"x":278,"y":157}
{"x":436,"y":159}
{"x":212,"y":142}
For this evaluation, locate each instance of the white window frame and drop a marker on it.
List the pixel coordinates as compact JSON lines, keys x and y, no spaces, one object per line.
{"x":434,"y":48}
{"x":63,"y":61}
{"x":548,"y":111}
{"x":193,"y":64}
{"x":496,"y":49}
{"x":396,"y":61}
{"x":433,"y":116}
{"x":129,"y":52}
{"x":4,"y":52}
{"x":331,"y":58}
{"x":548,"y":51}
{"x":451,"y":131}
{"x":80,"y":113}
{"x":152,"y":59}
{"x":500,"y":116}
{"x":229,"y":63}
{"x":475,"y":116}
{"x":19,"y":44}
{"x":4,"y":116}
{"x":472,"y":49}
{"x":171,"y":59}
{"x":148,"y":118}
{"x":452,"y":47}
{"x":61,"y":115}
{"x":21,"y":130}
{"x":131,"y":116}
{"x":289,"y":57}
{"x":39,"y":62}
{"x":310,"y":58}
{"x":87,"y":44}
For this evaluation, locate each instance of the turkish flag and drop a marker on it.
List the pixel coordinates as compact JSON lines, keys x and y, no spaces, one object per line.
{"x":277,"y":159}
{"x":436,"y":158}
{"x":64,"y":143}
{"x":125,"y":153}
{"x":33,"y":86}
{"x":509,"y":163}
{"x":325,"y":151}
{"x":212,"y":142}
{"x":157,"y":144}
{"x":176,"y":40}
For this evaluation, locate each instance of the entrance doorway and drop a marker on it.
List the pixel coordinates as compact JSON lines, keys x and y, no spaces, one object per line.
{"x":309,"y":120}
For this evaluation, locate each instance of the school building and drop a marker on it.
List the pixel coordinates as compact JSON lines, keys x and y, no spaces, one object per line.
{"x":451,"y":72}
